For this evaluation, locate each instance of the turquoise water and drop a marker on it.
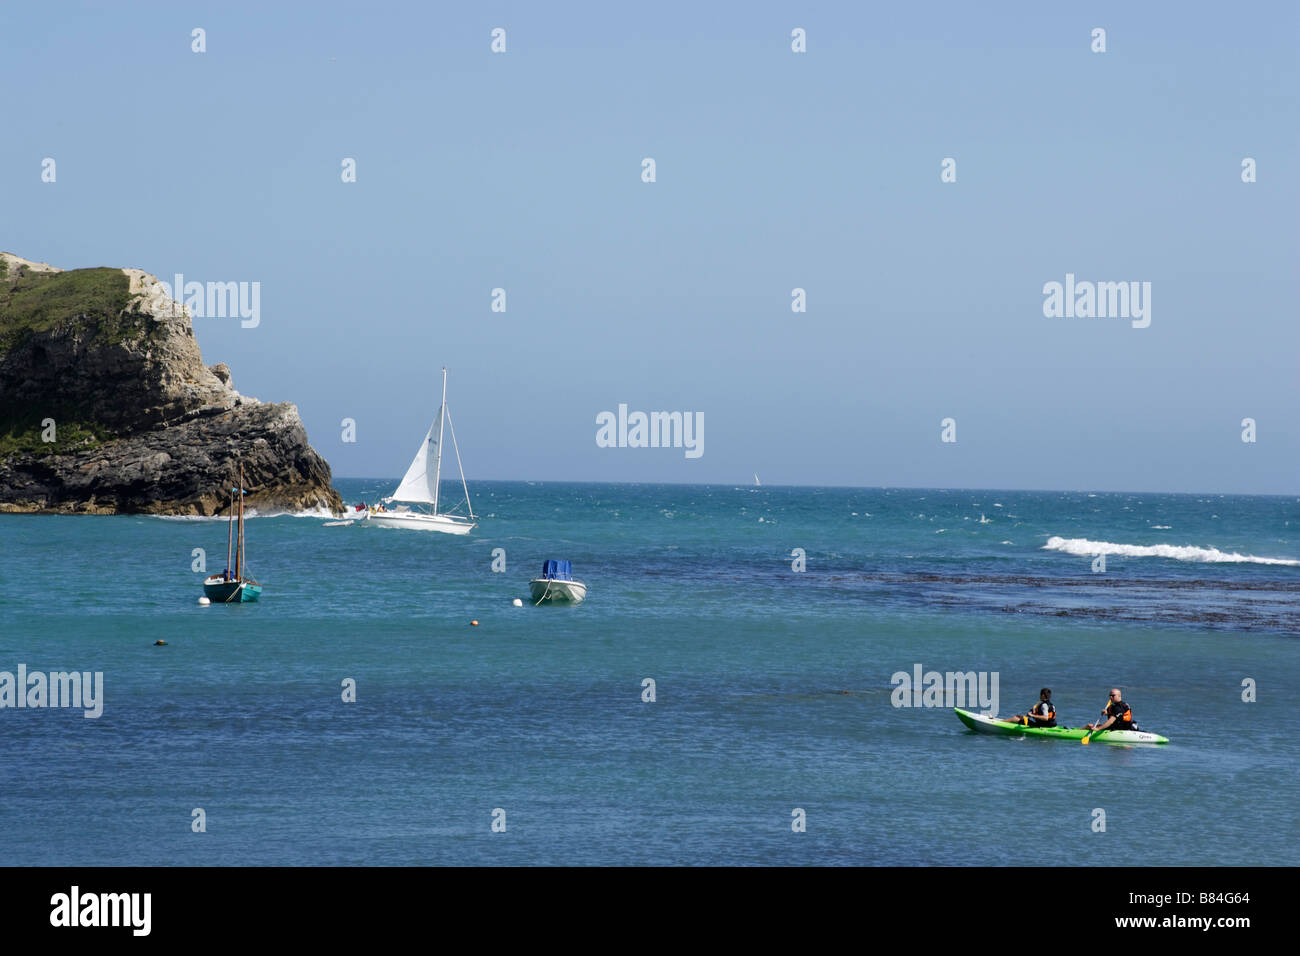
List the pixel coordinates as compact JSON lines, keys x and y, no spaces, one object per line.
{"x":773,"y":687}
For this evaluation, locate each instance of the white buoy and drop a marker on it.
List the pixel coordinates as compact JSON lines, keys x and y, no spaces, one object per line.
{"x":204,"y":602}
{"x":517,"y":603}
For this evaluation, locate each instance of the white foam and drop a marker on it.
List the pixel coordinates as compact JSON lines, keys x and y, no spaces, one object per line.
{"x":309,"y":513}
{"x":249,"y":513}
{"x":1084,"y":547}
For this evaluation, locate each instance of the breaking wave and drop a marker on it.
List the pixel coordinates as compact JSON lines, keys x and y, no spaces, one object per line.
{"x":249,"y":514}
{"x":1084,"y":547}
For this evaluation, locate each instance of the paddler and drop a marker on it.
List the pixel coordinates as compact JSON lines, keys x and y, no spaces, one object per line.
{"x":1042,"y":714}
{"x":1119,"y":716}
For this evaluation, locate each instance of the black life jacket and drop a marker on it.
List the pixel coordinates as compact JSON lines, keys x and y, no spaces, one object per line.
{"x":1036,"y":720}
{"x":1123,"y":716}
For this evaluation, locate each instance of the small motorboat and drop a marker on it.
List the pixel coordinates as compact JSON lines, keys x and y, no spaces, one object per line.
{"x":556,"y":584}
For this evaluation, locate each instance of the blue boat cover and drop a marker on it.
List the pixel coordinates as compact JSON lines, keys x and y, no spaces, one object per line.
{"x":557,"y":570}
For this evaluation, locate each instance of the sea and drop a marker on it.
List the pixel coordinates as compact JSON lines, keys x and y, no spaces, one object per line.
{"x":731,"y":691}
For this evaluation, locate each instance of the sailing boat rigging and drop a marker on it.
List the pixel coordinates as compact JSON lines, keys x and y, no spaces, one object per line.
{"x":419,"y":487}
{"x":231,"y":586}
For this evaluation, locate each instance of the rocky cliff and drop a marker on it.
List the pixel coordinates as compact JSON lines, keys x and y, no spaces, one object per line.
{"x":106,"y":406}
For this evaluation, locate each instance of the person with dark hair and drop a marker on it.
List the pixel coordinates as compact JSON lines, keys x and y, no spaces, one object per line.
{"x":1119,"y":716}
{"x":1042,"y":714}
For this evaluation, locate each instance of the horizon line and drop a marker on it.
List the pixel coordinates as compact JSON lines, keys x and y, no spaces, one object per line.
{"x":727,"y":484}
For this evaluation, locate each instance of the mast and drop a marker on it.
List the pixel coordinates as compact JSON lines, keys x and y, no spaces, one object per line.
{"x":230,"y":529}
{"x":239,"y":566}
{"x":442,"y":417}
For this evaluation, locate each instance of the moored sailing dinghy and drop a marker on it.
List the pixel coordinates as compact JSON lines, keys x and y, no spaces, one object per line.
{"x":231,"y":586}
{"x":419,"y":487}
{"x":556,"y":584}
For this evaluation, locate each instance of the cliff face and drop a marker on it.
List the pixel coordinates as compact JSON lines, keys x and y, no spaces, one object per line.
{"x":140,"y":424}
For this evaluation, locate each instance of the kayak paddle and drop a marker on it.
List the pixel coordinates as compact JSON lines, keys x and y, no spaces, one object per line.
{"x":1087,"y":738}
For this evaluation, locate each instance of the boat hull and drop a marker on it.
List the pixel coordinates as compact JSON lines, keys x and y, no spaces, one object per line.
{"x":415,"y":521}
{"x":992,"y":725}
{"x":561,"y":592}
{"x":220,"y":591}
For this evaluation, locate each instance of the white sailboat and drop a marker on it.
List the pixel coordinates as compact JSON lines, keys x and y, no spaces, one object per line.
{"x":419,"y":487}
{"x":757,"y":483}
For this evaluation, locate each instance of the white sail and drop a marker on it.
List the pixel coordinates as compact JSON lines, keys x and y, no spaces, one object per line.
{"x":421,"y":482}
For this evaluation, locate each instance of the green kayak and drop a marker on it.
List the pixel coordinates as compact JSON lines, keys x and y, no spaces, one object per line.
{"x":992,"y":725}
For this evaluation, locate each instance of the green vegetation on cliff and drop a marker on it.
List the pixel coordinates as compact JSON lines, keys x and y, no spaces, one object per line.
{"x":26,"y":437}
{"x":36,"y":302}
{"x":32,"y":302}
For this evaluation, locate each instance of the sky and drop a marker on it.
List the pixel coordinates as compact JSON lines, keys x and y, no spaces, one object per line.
{"x":774,"y":170}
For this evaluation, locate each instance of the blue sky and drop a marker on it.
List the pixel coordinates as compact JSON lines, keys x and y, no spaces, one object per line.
{"x":775,"y":170}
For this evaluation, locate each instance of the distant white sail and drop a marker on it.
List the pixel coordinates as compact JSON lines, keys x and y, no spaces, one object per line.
{"x":420,"y":483}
